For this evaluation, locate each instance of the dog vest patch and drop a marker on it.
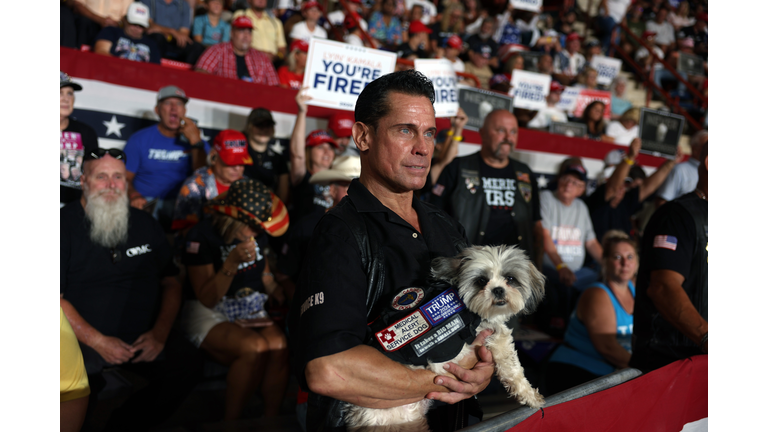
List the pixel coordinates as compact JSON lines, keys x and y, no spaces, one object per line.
{"x":438,"y":335}
{"x":443,"y":306}
{"x":407,"y":299}
{"x":401,"y":333}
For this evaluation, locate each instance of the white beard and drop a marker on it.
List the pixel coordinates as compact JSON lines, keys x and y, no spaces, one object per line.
{"x":109,"y":220}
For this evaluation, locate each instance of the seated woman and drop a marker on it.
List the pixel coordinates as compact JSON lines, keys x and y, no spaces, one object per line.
{"x":596,"y":124}
{"x":228,"y":281}
{"x":599,"y":335}
{"x":292,"y":75}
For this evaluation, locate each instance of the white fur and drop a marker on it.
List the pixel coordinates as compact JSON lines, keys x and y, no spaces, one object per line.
{"x":495,"y":282}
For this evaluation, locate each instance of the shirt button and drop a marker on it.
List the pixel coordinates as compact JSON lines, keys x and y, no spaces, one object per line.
{"x":513,"y":214}
{"x":519,"y":237}
{"x":415,"y":235}
{"x":482,"y":232}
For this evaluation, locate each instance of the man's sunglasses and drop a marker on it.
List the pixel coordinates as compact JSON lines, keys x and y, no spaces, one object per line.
{"x":101,"y":152}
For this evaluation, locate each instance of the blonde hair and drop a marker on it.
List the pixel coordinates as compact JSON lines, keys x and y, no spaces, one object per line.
{"x":445,"y":22}
{"x":610,"y":239}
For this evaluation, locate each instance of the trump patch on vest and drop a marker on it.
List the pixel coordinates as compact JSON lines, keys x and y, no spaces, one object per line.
{"x":525,"y":190}
{"x":402,"y":332}
{"x":443,"y":306}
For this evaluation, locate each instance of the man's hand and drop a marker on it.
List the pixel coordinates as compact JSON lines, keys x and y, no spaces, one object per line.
{"x":634,"y":148}
{"x":149,"y":346}
{"x":109,"y":22}
{"x":473,"y":373}
{"x":189,"y":129}
{"x":567,"y":277}
{"x":182,"y":39}
{"x":113,"y":350}
{"x":460,"y":120}
{"x":138,"y":202}
{"x":301,"y":100}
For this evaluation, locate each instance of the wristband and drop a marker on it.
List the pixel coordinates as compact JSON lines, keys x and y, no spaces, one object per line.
{"x":629,"y":161}
{"x":561,"y":266}
{"x":450,"y":132}
{"x":458,"y":138}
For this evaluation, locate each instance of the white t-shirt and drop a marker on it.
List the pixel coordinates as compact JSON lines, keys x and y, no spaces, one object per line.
{"x":622,"y":136}
{"x":665,"y":33}
{"x":569,"y":226}
{"x":617,"y":9}
{"x":546,"y":116}
{"x":300,"y":31}
{"x":354,"y":39}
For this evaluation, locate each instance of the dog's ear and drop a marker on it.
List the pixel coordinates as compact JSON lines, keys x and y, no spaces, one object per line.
{"x":537,"y":288}
{"x":445,"y":268}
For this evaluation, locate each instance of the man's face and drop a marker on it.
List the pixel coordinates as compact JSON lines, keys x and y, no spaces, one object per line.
{"x":661,"y":16}
{"x":312,"y":14}
{"x":66,"y":101}
{"x":570,"y":187}
{"x":215,"y":7}
{"x":261,"y":135}
{"x":499,"y":134}
{"x":486,"y":28}
{"x":105,"y":178}
{"x":171,"y":110}
{"x":545,"y":64}
{"x":321,"y":155}
{"x":573,"y":45}
{"x":227,"y":174}
{"x":553,"y":98}
{"x":399,"y":151}
{"x":341,"y":144}
{"x":241,"y":39}
{"x":338,"y":191}
{"x":134,"y":31}
{"x":258,"y":5}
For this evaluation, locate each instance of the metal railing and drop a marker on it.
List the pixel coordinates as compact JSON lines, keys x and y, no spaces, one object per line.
{"x":503,"y":422}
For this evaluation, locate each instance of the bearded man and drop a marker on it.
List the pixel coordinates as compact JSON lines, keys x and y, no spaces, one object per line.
{"x":120,"y":293}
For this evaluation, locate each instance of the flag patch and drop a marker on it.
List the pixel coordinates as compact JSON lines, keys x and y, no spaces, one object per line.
{"x":193,"y":247}
{"x":438,"y":190}
{"x":665,"y":241}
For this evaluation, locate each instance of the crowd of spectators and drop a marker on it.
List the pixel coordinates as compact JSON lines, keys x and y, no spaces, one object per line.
{"x":228,"y":250}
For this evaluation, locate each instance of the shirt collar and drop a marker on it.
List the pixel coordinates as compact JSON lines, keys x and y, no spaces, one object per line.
{"x":366,"y":202}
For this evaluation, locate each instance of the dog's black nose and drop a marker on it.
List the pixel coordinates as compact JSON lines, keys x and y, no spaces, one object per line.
{"x":498,"y":292}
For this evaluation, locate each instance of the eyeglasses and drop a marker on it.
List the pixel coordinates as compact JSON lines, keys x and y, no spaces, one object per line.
{"x":101,"y":152}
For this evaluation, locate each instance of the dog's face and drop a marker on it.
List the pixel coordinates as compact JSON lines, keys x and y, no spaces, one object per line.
{"x":493,"y":281}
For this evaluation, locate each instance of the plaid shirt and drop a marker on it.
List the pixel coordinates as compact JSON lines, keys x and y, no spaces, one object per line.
{"x":220,"y":60}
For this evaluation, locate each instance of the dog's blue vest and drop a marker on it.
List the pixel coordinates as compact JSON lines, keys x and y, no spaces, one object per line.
{"x":423,"y":324}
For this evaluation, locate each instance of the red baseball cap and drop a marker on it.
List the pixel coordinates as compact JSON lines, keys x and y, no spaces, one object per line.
{"x":556,"y":87}
{"x":573,"y":36}
{"x":341,"y":124}
{"x":311,"y":4}
{"x":418,"y":27}
{"x":232,"y":148}
{"x":454,"y":42}
{"x":242,"y":22}
{"x":300,"y":45}
{"x":648,"y":33}
{"x":319,"y":136}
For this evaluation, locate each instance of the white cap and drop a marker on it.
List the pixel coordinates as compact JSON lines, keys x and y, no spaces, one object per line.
{"x":138,"y":14}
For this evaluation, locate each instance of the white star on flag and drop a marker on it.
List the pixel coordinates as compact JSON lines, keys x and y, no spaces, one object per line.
{"x":113,"y":127}
{"x":278,"y":148}
{"x":542,"y":182}
{"x":203,"y":136}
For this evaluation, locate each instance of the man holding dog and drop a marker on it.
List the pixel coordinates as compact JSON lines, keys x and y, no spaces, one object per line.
{"x":383,"y":240}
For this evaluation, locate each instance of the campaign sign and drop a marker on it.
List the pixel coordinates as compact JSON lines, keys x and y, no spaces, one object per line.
{"x":337,"y":72}
{"x":586,"y":97}
{"x":570,"y":129}
{"x":660,"y":132}
{"x":530,"y":89}
{"x":477,"y":103}
{"x":443,"y":78}
{"x":529,"y":5}
{"x":690,"y":64}
{"x":607,"y":69}
{"x":568,"y":99}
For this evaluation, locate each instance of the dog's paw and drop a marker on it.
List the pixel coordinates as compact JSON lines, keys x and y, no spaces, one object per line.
{"x":536,"y":400}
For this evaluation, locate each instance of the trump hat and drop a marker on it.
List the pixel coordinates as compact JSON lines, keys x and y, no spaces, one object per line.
{"x":232,"y":148}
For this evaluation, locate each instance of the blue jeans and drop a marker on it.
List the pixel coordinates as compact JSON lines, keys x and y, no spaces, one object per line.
{"x":605,"y":25}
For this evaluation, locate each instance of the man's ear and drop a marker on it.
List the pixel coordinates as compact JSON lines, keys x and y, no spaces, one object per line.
{"x":156,"y":111}
{"x":362,"y":134}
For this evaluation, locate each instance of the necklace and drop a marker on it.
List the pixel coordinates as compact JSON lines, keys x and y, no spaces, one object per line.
{"x":700,"y":194}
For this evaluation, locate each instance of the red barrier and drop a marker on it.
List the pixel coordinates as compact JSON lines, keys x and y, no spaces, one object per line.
{"x":662,"y":400}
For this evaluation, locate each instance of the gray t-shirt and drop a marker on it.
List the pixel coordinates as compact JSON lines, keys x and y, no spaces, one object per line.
{"x":569,"y":226}
{"x":681,"y":180}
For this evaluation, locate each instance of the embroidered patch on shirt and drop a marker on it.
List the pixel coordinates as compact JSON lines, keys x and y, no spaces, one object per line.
{"x":443,"y":306}
{"x":403,"y":332}
{"x":523,"y":177}
{"x":438,"y":189}
{"x":665,"y":241}
{"x":193,"y":247}
{"x":407,"y":299}
{"x":438,"y":335}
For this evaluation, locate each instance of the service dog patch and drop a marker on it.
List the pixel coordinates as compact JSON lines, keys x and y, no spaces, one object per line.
{"x":407,"y":299}
{"x":403,"y":332}
{"x":443,"y":306}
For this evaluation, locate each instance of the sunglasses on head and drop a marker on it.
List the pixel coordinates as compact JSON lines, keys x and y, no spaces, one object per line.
{"x":101,"y":152}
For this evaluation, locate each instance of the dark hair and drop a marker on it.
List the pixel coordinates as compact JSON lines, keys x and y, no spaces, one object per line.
{"x":373,"y":103}
{"x":636,"y":173}
{"x":600,"y":125}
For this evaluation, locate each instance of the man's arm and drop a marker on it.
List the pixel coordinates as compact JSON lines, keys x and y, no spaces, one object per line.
{"x":666,"y":292}
{"x":81,"y":9}
{"x":152,"y":342}
{"x":365,"y":377}
{"x":283,"y":187}
{"x":621,"y":172}
{"x":298,"y":140}
{"x":103,"y":47}
{"x":650,"y":184}
{"x":112,"y":349}
{"x":566,"y":275}
{"x":595,"y":249}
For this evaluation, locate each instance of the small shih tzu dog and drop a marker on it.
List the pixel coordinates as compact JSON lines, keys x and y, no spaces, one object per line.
{"x":494,"y":283}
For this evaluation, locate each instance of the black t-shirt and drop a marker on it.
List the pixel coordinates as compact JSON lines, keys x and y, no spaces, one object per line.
{"x":440,"y":36}
{"x":499,"y":186}
{"x":476,"y":39}
{"x":125,"y":47}
{"x":267,"y":166}
{"x":242,"y":69}
{"x":306,"y":197}
{"x":76,"y":139}
{"x":605,"y":218}
{"x":298,"y":236}
{"x":205,"y":246}
{"x":119,"y":297}
{"x":329,"y":313}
